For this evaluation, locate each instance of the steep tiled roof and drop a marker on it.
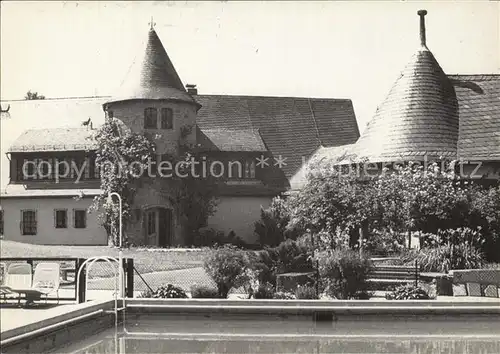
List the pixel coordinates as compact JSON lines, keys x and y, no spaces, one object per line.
{"x":418,"y":118}
{"x":230,"y":140}
{"x":153,"y":76}
{"x":479,"y":109}
{"x":289,"y":126}
{"x":55,"y":139}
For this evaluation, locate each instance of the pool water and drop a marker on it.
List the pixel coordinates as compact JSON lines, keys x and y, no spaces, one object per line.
{"x":233,"y":333}
{"x":114,"y":342}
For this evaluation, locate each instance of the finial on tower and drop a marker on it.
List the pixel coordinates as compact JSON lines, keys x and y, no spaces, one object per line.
{"x":152,"y":24}
{"x":422,"y":14}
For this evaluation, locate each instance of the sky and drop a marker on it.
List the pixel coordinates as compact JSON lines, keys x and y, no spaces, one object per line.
{"x":330,"y":49}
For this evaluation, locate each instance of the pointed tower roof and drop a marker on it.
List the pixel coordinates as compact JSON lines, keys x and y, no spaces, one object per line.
{"x":419,"y":117}
{"x":152,"y":76}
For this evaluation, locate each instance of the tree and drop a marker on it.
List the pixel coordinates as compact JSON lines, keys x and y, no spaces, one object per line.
{"x":334,"y":202}
{"x":407,"y":198}
{"x":33,"y":96}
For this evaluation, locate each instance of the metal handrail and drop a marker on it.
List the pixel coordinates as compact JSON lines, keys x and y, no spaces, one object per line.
{"x":92,"y":260}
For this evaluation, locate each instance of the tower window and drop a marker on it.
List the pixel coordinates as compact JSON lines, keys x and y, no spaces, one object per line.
{"x":150,"y":118}
{"x":167,"y":118}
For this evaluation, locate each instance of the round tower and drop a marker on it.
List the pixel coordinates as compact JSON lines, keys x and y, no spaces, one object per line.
{"x":419,"y":117}
{"x":152,"y":99}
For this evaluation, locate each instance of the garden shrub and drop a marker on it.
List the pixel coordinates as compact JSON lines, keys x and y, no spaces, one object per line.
{"x":263,"y":266}
{"x":228,"y":267}
{"x":289,"y":256}
{"x":344,"y":273}
{"x":408,"y":292}
{"x":265,"y":291}
{"x":209,"y":237}
{"x":204,"y":292}
{"x":168,"y":291}
{"x":283,"y":295}
{"x":272,"y":226}
{"x":446,"y":257}
{"x":463,"y":235}
{"x":306,"y":292}
{"x":383,"y":243}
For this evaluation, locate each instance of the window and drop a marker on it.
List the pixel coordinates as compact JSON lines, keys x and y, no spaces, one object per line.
{"x":28,"y":222}
{"x":151,"y":223}
{"x":167,"y":118}
{"x":150,"y":118}
{"x":250,"y":169}
{"x":80,"y":219}
{"x":60,"y":218}
{"x":97,"y":171}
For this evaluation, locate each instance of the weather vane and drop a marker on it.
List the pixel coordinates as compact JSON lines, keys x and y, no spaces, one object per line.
{"x":152,"y":24}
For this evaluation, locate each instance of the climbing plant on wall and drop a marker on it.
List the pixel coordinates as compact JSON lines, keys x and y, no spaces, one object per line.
{"x":193,"y":192}
{"x":122,"y":156}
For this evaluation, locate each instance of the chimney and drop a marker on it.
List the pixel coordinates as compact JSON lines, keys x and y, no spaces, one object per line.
{"x":191,"y":89}
{"x":422,"y":14}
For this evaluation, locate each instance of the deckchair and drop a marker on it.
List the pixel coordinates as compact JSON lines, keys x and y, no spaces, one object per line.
{"x":17,"y":277}
{"x":44,"y":282}
{"x":47,"y":279}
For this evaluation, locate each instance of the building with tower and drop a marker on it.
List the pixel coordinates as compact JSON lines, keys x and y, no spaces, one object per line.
{"x":427,"y":114}
{"x":39,"y":205}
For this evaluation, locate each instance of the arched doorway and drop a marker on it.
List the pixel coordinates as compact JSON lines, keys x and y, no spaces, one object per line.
{"x":158,"y":227}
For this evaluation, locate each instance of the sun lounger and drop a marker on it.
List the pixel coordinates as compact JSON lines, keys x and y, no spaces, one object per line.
{"x":18,"y":276}
{"x":44,"y":282}
{"x":46,"y":279}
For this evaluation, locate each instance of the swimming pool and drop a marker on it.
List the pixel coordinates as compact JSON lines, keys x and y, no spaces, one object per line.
{"x":219,"y":326}
{"x":121,"y":343}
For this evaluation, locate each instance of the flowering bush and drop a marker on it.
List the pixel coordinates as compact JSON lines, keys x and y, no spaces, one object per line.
{"x":281,"y":295}
{"x":165,"y":292}
{"x":408,"y":292}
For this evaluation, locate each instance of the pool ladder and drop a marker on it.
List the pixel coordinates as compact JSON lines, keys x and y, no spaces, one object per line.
{"x":118,"y":280}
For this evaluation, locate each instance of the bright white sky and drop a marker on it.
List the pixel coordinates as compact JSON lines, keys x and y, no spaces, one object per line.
{"x":318,"y":49}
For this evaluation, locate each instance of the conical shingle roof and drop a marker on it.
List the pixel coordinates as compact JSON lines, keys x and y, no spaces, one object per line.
{"x":418,"y":118}
{"x":153,"y":76}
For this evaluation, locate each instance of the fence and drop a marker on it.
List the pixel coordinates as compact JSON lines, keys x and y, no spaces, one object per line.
{"x":102,"y":277}
{"x":150,"y":269}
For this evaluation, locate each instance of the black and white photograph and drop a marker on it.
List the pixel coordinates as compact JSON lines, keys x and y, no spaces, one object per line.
{"x":250,"y":177}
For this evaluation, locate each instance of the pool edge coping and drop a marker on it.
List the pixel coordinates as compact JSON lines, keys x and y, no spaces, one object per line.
{"x":83,"y":309}
{"x":278,"y":307}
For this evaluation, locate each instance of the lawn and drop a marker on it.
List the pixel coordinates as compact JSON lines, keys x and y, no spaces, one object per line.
{"x":145,"y":260}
